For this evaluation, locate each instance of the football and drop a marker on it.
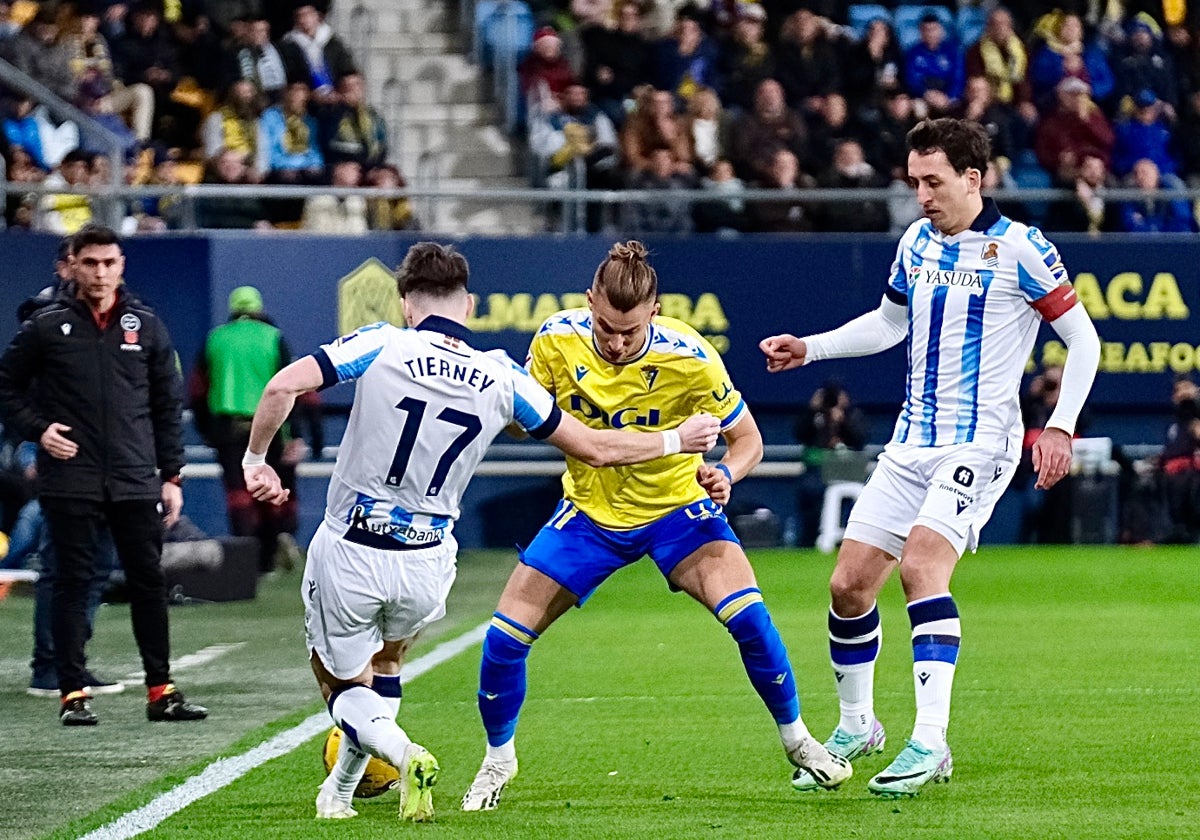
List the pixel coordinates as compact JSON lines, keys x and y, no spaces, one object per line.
{"x":379,"y":777}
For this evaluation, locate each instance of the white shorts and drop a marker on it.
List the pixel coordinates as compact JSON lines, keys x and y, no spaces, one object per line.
{"x":950,"y":489}
{"x":357,"y":597}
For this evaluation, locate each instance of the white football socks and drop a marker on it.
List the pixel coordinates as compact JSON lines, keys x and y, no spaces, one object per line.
{"x":359,"y":710}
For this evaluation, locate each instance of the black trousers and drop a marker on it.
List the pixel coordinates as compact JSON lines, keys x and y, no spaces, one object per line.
{"x":247,"y":517}
{"x":137,"y":532}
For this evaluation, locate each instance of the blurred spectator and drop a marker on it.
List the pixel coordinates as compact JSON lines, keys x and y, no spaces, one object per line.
{"x":617,"y":60}
{"x":770,"y":126}
{"x":337,"y":214}
{"x":782,"y":215}
{"x":667,"y":214}
{"x":235,"y":125}
{"x":576,"y":131}
{"x":389,"y":213}
{"x":652,"y":125}
{"x":934,"y":69}
{"x":165,"y":212}
{"x":287,"y":140}
{"x":1046,"y":513}
{"x":887,"y":140}
{"x":251,"y":55}
{"x":873,"y":67}
{"x":1180,"y":464}
{"x":1188,"y":136}
{"x":28,"y":126}
{"x":22,"y":169}
{"x":1145,"y":65}
{"x":725,"y":212}
{"x":8,"y":27}
{"x":979,"y":104}
{"x":1154,"y":215}
{"x":201,"y":53}
{"x":829,"y":126}
{"x":687,"y":60}
{"x":91,"y":63}
{"x":1076,"y":128}
{"x":94,"y":99}
{"x":746,"y":59}
{"x":351,"y":128}
{"x":1087,"y":211}
{"x":64,"y":213}
{"x":229,"y":168}
{"x":1000,"y":57}
{"x":1063,"y":55}
{"x":828,"y":421}
{"x":146,"y":54}
{"x":544,"y":70}
{"x":806,"y":62}
{"x":707,"y":129}
{"x":850,"y":170}
{"x":37,"y":52}
{"x":313,"y":53}
{"x":1144,"y":134}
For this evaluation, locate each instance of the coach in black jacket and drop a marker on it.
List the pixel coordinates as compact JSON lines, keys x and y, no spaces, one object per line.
{"x":93,"y":378}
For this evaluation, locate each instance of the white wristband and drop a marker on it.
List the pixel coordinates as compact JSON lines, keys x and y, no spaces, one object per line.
{"x":253,"y":459}
{"x":671,"y":442}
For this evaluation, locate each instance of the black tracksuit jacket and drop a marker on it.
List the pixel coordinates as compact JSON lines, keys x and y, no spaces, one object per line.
{"x":118,"y":389}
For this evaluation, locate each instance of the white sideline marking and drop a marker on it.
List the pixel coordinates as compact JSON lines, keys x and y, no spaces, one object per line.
{"x":190,"y":660}
{"x":225,"y":771}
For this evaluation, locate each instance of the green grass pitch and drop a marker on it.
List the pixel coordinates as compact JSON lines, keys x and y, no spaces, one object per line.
{"x":1075,"y":714}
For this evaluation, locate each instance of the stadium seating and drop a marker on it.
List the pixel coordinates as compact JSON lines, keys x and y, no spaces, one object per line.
{"x":861,"y":15}
{"x":908,"y":23}
{"x":502,"y":27}
{"x":1028,"y":174}
{"x":969,"y":25}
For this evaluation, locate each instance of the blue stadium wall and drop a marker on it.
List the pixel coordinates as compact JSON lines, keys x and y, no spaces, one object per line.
{"x":1144,"y":294}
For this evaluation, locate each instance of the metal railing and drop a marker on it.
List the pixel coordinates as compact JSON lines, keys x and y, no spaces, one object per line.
{"x":426,"y":190}
{"x":60,"y":109}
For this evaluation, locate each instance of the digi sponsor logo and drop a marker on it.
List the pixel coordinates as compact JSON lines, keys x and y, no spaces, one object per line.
{"x":619,"y":419}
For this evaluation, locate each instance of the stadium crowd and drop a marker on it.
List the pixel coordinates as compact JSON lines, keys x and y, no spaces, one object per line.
{"x":720,"y":95}
{"x":212,"y":91}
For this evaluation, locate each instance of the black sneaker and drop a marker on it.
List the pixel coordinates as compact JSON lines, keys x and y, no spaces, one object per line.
{"x":94,"y":685}
{"x":174,"y":706}
{"x":77,"y":711}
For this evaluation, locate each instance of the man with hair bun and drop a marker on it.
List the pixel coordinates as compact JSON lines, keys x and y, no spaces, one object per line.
{"x":617,"y":364}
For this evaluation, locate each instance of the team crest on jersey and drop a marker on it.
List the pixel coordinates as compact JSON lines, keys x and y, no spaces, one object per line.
{"x":649,"y":373}
{"x":991,"y":254}
{"x":130,"y":324}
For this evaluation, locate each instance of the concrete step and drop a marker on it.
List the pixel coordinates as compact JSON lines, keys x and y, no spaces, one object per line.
{"x":445,"y":115}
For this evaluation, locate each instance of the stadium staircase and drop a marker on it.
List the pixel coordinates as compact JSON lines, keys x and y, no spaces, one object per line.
{"x":442,"y":118}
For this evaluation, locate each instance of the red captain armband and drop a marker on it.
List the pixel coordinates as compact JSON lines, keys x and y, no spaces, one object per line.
{"x":1056,"y":303}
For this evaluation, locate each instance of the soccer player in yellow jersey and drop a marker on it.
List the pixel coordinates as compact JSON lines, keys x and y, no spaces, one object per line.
{"x":617,"y":365}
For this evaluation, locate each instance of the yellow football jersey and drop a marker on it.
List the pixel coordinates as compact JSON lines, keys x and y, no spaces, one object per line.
{"x":676,"y":375}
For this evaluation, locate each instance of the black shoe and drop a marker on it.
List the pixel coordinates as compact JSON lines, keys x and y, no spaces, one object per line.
{"x":174,"y":706}
{"x":98,"y":685}
{"x":77,"y":712}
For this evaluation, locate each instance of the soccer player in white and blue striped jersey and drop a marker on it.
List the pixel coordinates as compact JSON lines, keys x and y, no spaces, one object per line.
{"x":967,"y":292}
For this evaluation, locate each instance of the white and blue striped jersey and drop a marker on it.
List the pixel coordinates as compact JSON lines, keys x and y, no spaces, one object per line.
{"x":975,"y":301}
{"x":426,"y":407}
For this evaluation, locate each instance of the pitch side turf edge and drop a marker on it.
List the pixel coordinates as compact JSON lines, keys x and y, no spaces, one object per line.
{"x":225,"y":771}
